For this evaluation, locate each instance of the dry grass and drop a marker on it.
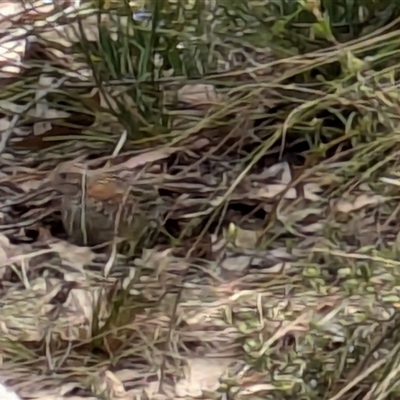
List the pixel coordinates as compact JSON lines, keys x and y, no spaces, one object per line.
{"x":273,"y":148}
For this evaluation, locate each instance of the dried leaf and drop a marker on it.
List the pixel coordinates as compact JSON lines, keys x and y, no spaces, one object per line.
{"x":30,"y":185}
{"x":144,"y":158}
{"x":361,"y":201}
{"x":311,"y":191}
{"x":245,"y":238}
{"x":77,"y":257}
{"x":7,"y":394}
{"x":273,"y":190}
{"x":202,"y":375}
{"x":10,"y":253}
{"x":198,"y":94}
{"x":11,"y":52}
{"x":236,"y":264}
{"x":260,"y":387}
{"x":280,"y":172}
{"x":78,"y":312}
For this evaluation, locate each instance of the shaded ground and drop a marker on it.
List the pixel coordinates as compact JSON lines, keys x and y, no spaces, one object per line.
{"x":270,"y":267}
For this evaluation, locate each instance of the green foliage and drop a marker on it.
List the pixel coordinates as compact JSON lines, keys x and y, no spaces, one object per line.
{"x":317,"y":317}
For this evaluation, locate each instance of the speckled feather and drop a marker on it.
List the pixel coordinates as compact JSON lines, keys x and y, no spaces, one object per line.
{"x":105,"y":209}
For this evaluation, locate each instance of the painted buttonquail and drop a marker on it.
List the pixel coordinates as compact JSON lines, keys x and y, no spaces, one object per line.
{"x":97,"y":208}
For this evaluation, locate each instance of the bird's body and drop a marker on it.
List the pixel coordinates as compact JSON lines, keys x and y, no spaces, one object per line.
{"x":97,"y":209}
